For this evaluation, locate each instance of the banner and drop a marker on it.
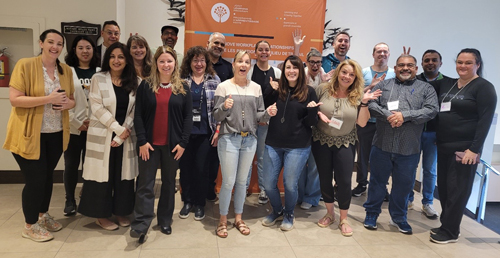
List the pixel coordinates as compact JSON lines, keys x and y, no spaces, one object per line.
{"x":244,"y":23}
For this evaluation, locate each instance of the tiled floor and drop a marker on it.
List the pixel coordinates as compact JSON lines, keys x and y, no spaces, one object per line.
{"x":81,"y":237}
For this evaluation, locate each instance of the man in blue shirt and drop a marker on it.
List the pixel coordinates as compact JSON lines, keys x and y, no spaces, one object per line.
{"x":341,"y":45}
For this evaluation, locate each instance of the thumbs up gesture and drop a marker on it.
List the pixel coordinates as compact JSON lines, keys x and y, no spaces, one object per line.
{"x":272,"y":110}
{"x":274,"y":84}
{"x":228,"y":103}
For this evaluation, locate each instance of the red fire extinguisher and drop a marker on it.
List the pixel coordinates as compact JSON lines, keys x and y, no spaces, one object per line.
{"x":4,"y":69}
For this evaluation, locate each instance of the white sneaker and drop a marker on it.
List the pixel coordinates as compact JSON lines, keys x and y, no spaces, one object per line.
{"x":410,"y":205}
{"x":429,"y":211}
{"x":305,"y":205}
{"x":263,"y":199}
{"x":37,"y":233}
{"x":48,"y":222}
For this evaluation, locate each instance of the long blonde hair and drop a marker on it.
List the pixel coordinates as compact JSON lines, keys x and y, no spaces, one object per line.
{"x":154,"y":77}
{"x":355,"y":91}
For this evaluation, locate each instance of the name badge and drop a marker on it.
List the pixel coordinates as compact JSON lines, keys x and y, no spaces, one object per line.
{"x":336,"y":123}
{"x":445,"y":106}
{"x":393,"y":105}
{"x":196,"y":118}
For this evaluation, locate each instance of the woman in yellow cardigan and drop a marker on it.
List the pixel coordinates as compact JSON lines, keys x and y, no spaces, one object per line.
{"x":38,"y":129}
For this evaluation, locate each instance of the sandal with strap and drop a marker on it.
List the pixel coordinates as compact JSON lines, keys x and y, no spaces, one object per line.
{"x":346,"y":223}
{"x":326,"y":221}
{"x":242,"y":227}
{"x":221,"y":230}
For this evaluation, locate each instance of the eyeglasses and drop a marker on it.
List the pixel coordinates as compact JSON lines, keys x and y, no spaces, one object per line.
{"x":410,"y":65}
{"x":111,"y":33}
{"x":313,"y":63}
{"x":195,"y":61}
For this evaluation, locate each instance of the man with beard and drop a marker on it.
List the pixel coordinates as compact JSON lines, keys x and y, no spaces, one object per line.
{"x":405,"y":105}
{"x":431,"y":62}
{"x":341,"y":45}
{"x":372,"y":75}
{"x":110,"y":34}
{"x":169,"y":38}
{"x":216,"y":45}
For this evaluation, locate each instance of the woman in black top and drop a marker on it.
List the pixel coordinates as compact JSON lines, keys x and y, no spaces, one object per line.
{"x":467,"y":107}
{"x":288,"y":141}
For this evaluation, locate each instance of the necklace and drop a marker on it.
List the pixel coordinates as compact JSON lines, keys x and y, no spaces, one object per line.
{"x":284,"y":110}
{"x":165,"y":86}
{"x":242,"y":99}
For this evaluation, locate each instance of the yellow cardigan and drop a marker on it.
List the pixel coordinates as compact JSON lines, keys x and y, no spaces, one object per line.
{"x":24,"y":126}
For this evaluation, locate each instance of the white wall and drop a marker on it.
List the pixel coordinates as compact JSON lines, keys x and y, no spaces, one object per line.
{"x":445,"y":25}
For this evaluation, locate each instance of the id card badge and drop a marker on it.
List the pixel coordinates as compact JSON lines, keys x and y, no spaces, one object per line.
{"x":196,"y":115}
{"x":445,"y":107}
{"x":393,"y":105}
{"x":336,"y":123}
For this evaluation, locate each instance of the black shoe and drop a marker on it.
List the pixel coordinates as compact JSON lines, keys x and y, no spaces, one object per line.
{"x":435,"y":231}
{"x":136,"y":234}
{"x":167,"y":230}
{"x":199,"y":212}
{"x":359,"y":190}
{"x":186,"y":209}
{"x":212,"y":197}
{"x":386,"y":198}
{"x":70,"y":208}
{"x":442,"y":238}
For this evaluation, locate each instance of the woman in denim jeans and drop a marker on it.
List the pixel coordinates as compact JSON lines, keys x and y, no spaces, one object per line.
{"x":239,"y":107}
{"x":288,"y":142}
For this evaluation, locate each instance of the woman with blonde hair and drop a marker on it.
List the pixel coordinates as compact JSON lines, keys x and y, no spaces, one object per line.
{"x":239,"y":107}
{"x":343,"y":106}
{"x":163,"y":121}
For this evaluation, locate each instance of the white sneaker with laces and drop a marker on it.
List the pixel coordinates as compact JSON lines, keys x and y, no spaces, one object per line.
{"x":48,"y":222}
{"x":37,"y":233}
{"x":263,"y":199}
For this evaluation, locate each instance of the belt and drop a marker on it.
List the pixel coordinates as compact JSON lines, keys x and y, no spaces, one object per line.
{"x":243,"y":134}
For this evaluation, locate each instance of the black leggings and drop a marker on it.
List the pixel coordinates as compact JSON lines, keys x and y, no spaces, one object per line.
{"x":72,"y":157}
{"x":340,"y":161}
{"x":38,"y":176}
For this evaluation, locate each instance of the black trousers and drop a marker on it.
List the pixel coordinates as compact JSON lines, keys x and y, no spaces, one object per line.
{"x":145,"y":196}
{"x":116,"y":196}
{"x":364,"y":146}
{"x":193,"y":164}
{"x":38,"y":176}
{"x":338,"y":161}
{"x":213,"y":170}
{"x":72,"y":157}
{"x":455,"y":182}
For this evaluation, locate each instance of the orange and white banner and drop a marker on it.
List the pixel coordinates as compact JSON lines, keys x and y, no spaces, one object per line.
{"x":245,"y":22}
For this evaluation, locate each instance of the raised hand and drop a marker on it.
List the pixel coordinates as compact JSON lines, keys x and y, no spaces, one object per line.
{"x":228,"y":103}
{"x":298,"y":40}
{"x":375,"y":81}
{"x":274,"y":84}
{"x":371,"y":95}
{"x":272,"y":110}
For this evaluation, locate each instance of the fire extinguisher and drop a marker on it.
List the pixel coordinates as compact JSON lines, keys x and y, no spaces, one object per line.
{"x":4,"y":69}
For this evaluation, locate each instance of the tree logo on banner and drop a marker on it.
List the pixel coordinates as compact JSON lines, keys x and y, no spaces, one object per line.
{"x":220,"y":12}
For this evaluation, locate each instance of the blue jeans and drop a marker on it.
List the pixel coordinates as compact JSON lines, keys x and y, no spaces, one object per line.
{"x":261,"y":144}
{"x":429,"y":160}
{"x":309,"y":188}
{"x":402,"y":168}
{"x":235,"y":155}
{"x":293,"y":162}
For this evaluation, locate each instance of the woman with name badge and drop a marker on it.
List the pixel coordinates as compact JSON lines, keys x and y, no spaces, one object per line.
{"x":239,"y":107}
{"x":200,"y":76}
{"x":467,"y":106}
{"x":84,"y":62}
{"x":343,"y":106}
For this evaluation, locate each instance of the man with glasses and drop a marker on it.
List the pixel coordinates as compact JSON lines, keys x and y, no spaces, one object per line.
{"x":341,"y":45}
{"x":372,"y":75}
{"x":110,"y":34}
{"x":216,"y":45}
{"x":169,"y":38}
{"x":401,"y":111}
{"x":431,"y":62}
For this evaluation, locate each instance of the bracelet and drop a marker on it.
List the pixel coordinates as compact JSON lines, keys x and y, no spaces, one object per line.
{"x":363,"y":104}
{"x":216,"y":131}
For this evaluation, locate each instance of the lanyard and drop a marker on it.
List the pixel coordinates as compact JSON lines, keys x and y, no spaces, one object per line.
{"x":456,"y":83}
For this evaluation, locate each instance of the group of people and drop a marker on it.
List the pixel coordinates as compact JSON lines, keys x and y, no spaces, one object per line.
{"x":124,"y":112}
